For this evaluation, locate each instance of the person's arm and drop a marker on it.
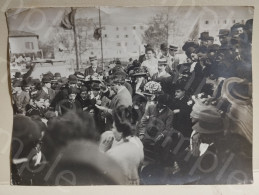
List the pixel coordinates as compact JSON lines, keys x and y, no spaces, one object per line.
{"x":27,"y":74}
{"x":143,"y":122}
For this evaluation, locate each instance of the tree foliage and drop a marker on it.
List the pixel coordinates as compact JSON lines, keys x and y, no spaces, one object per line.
{"x":157,"y":32}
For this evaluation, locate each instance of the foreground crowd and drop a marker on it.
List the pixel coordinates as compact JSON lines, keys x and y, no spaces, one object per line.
{"x":162,"y":119}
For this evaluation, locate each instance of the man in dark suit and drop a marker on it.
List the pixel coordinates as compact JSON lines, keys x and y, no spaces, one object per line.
{"x":94,"y":68}
{"x":122,"y":97}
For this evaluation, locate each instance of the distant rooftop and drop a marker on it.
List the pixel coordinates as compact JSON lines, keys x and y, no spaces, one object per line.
{"x":17,"y":33}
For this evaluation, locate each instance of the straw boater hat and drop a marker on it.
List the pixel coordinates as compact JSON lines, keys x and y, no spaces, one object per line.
{"x":162,"y":61}
{"x":92,"y":58}
{"x":173,"y":47}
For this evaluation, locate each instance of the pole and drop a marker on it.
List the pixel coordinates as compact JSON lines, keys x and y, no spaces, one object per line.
{"x":100,"y":26}
{"x":75,"y":39}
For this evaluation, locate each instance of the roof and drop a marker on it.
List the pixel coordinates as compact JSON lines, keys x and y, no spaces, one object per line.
{"x":17,"y":33}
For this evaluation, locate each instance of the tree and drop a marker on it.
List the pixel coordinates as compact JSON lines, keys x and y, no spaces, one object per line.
{"x":157,"y":31}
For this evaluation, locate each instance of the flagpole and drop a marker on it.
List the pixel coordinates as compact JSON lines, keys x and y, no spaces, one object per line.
{"x":100,"y":26}
{"x":75,"y":39}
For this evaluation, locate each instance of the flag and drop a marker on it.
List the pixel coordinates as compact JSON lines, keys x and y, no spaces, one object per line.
{"x":68,"y":20}
{"x":97,"y":33}
{"x":195,"y":30}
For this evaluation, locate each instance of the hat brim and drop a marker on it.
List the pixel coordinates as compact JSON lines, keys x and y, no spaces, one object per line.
{"x":225,"y":90}
{"x":202,"y":130}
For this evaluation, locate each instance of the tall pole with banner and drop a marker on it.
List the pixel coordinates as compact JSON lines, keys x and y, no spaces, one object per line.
{"x":101,"y":38}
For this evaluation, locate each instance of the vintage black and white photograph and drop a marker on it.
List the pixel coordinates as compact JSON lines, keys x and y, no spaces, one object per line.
{"x":131,"y":95}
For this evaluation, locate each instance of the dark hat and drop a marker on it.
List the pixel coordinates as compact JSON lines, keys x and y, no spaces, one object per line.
{"x":17,"y":83}
{"x":139,"y":72}
{"x":224,"y":32}
{"x":180,"y":84}
{"x":46,"y":79}
{"x":35,"y":81}
{"x":148,"y":46}
{"x":188,"y":44}
{"x":92,"y":58}
{"x":72,"y":90}
{"x":237,"y":25}
{"x":18,"y":75}
{"x":83,"y":89}
{"x":213,"y":48}
{"x":204,"y":36}
{"x":162,"y":61}
{"x":164,"y":46}
{"x":57,"y":74}
{"x":173,"y":47}
{"x":72,"y":79}
{"x":210,"y":122}
{"x":50,"y":75}
{"x":119,"y":78}
{"x":95,"y":87}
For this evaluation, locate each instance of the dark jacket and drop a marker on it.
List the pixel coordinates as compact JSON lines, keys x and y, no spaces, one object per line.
{"x":90,"y":71}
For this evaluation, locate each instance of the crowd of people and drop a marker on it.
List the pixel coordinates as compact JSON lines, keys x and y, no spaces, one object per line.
{"x":158,"y":120}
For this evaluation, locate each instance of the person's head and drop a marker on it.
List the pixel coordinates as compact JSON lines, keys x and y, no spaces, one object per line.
{"x":204,"y":37}
{"x":46,"y":82}
{"x":164,"y":49}
{"x":192,"y":54}
{"x":162,"y":63}
{"x":224,"y":36}
{"x":46,"y":103}
{"x":150,"y":53}
{"x":39,"y":102}
{"x":172,"y":50}
{"x":210,"y":41}
{"x":72,"y":126}
{"x":237,"y":30}
{"x":72,"y":80}
{"x":93,"y":62}
{"x":118,"y":81}
{"x":57,"y":76}
{"x":26,"y":134}
{"x":179,"y":92}
{"x":95,"y":88}
{"x":72,"y":92}
{"x":83,"y":92}
{"x":122,"y":126}
{"x":162,"y":101}
{"x":17,"y":86}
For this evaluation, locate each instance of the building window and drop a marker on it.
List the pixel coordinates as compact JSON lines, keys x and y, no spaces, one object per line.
{"x":105,"y":36}
{"x":117,"y":36}
{"x":134,"y":27}
{"x":225,"y":21}
{"x":206,"y":22}
{"x":29,"y":45}
{"x":234,"y":21}
{"x":118,"y":44}
{"x":141,"y":27}
{"x":126,"y":36}
{"x":117,"y":28}
{"x":243,"y":21}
